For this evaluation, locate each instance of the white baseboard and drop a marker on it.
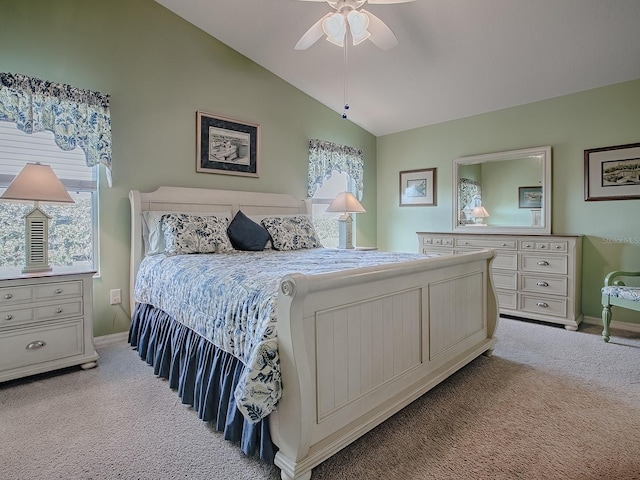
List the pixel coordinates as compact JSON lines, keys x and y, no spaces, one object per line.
{"x":628,"y":326}
{"x":105,"y":340}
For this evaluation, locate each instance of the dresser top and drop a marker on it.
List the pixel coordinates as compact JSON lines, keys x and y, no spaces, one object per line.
{"x":15,"y":273}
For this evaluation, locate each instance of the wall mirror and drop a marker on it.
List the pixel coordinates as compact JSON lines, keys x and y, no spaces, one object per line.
{"x":504,"y":192}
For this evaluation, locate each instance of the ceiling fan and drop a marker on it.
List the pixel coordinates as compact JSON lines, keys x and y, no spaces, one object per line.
{"x":349,"y":16}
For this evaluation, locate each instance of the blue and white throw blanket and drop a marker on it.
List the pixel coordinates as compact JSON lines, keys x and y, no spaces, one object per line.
{"x":230,"y":299}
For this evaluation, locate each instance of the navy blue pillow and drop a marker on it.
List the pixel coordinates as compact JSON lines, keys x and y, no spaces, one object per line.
{"x":245,"y":234}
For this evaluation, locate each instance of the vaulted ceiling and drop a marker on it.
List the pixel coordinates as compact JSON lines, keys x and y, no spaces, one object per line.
{"x":455,"y":58}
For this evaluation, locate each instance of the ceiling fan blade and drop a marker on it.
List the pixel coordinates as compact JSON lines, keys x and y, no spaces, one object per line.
{"x":312,"y":35}
{"x":381,"y":35}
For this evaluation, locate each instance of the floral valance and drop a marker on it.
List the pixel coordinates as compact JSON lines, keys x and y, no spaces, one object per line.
{"x":326,"y":157}
{"x":77,"y":118}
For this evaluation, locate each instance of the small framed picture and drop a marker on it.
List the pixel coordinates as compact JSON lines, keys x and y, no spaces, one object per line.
{"x":418,"y":188}
{"x":612,"y":173}
{"x":529,"y":197}
{"x":228,"y":146}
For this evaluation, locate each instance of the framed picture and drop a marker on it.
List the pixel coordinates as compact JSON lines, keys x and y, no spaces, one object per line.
{"x":418,"y":187}
{"x":529,"y":197}
{"x":227,"y":146}
{"x":612,"y":173}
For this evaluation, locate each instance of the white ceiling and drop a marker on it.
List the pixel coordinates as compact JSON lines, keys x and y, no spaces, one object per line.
{"x":455,"y":58}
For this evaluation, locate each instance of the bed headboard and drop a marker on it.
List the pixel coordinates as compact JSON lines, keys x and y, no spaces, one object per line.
{"x":183,"y":199}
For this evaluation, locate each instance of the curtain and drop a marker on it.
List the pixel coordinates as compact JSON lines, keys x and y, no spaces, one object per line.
{"x":325,"y":157}
{"x":77,"y":118}
{"x":469,"y":196}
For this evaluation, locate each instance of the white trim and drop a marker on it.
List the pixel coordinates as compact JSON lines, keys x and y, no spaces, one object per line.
{"x":112,"y":339}
{"x":628,"y":326}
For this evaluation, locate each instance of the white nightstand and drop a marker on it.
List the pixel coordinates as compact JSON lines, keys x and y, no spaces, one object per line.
{"x":46,"y":321}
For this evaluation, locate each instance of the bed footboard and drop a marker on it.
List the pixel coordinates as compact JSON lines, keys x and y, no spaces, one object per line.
{"x":356,"y":348}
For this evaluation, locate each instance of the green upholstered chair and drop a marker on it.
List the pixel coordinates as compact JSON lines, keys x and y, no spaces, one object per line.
{"x":616,"y":293}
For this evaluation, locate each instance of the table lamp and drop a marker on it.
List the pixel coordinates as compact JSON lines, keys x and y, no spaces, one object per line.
{"x":37,"y":183}
{"x":479,"y":214}
{"x":346,"y":203}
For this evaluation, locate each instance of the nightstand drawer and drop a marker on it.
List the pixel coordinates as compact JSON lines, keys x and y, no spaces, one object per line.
{"x":544,"y":284}
{"x":46,"y":291}
{"x":61,"y":310}
{"x":50,"y":291}
{"x":544,"y":305}
{"x":11,"y":295}
{"x":29,"y":346}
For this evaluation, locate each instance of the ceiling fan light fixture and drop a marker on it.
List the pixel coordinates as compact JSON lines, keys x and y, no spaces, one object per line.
{"x":358,"y":24}
{"x":335,"y":29}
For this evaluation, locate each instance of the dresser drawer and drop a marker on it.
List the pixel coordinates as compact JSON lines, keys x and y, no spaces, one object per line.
{"x":507,"y":299}
{"x":544,"y":263}
{"x":504,"y":279}
{"x":506,"y":244}
{"x":506,"y":260}
{"x":440,"y":251}
{"x":29,"y":346}
{"x":543,"y":305}
{"x":554,"y":246}
{"x":438,"y":241}
{"x":59,"y":310}
{"x":544,"y":284}
{"x":43,"y":292}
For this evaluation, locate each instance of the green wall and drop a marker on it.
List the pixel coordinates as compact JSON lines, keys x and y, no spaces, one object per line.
{"x":570,"y":124}
{"x":160,"y":70}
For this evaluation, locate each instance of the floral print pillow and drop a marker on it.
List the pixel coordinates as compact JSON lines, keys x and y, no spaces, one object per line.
{"x":185,"y":234}
{"x":292,"y":233}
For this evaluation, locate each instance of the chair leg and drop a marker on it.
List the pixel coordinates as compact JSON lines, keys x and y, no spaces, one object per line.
{"x":606,"y":321}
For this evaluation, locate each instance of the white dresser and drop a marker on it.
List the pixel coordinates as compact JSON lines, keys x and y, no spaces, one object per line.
{"x":46,"y":321}
{"x":536,"y":277}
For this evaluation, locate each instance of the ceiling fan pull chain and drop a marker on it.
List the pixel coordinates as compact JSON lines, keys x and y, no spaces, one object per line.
{"x":346,"y":82}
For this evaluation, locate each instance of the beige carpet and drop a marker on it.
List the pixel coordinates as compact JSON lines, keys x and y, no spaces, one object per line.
{"x":550,"y":404}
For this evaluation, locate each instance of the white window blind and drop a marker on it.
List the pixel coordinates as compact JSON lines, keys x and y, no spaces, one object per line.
{"x":18,"y":148}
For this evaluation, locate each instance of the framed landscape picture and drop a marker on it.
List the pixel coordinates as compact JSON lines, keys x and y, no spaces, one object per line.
{"x":418,"y":187}
{"x":228,"y":146}
{"x":612,"y":173}
{"x":529,"y":197}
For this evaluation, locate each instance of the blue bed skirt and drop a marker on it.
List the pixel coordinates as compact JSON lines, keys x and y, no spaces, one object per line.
{"x":203,"y":375}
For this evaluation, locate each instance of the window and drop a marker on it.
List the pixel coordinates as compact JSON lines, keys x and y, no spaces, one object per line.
{"x":326,"y":223}
{"x":73,"y":227}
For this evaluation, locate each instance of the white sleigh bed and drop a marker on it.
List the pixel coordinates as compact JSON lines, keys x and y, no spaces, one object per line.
{"x":354,"y":346}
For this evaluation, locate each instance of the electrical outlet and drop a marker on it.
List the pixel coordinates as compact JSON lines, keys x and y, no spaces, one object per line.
{"x":115,"y":296}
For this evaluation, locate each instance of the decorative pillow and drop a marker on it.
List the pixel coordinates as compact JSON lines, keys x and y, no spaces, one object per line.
{"x":245,"y":234}
{"x":185,"y":234}
{"x":292,"y":233}
{"x":152,"y":233}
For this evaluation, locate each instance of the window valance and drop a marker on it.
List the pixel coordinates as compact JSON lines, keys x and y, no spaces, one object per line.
{"x":326,"y":157}
{"x":77,"y":118}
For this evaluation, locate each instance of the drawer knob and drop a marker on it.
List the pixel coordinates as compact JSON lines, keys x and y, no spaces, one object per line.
{"x":542,"y":284}
{"x":58,"y":310}
{"x":543,"y":262}
{"x":526,"y":245}
{"x":558,"y":247}
{"x":58,"y":291}
{"x":8,"y":317}
{"x":8,"y":296}
{"x":542,"y":246}
{"x":504,"y":244}
{"x":542,"y":305}
{"x":35,"y":345}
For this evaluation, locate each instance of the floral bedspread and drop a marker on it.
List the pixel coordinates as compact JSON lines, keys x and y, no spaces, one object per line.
{"x":230,"y":299}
